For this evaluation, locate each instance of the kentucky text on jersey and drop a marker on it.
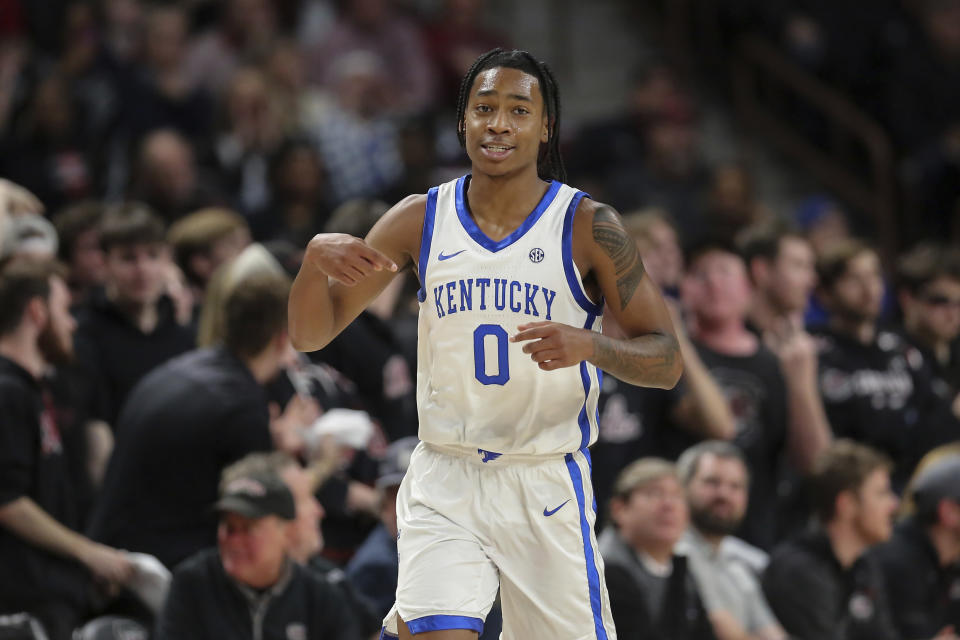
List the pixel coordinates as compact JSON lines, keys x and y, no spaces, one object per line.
{"x":493,"y":293}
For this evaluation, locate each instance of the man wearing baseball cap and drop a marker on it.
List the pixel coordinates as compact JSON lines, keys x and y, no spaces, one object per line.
{"x":249,"y":586}
{"x":920,"y":560}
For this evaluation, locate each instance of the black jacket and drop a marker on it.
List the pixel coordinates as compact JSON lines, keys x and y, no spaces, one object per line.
{"x":681,"y":616}
{"x":924,"y":596}
{"x":205,"y":603}
{"x":816,"y":599}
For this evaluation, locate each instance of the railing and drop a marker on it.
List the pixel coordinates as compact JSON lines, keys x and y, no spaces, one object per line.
{"x":852,"y":155}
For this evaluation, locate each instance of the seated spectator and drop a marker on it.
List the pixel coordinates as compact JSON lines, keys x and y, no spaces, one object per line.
{"x":78,"y":228}
{"x":191,"y":417}
{"x":203,"y":241}
{"x":716,"y":479}
{"x":47,"y":566}
{"x":823,"y":585}
{"x":732,"y":204}
{"x":131,"y":326}
{"x":920,"y":560}
{"x":250,"y":586}
{"x":875,"y":386}
{"x":167,"y":179}
{"x":928,"y":288}
{"x":653,"y":596}
{"x":373,"y":569}
{"x":659,"y":243}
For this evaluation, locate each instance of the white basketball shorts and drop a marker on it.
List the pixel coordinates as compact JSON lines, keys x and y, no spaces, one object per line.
{"x":470,"y":522}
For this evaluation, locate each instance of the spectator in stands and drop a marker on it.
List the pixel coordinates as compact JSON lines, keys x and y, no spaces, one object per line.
{"x":161,"y":94}
{"x":78,"y":228}
{"x":635,"y":421}
{"x":782,"y":269}
{"x":251,"y":132}
{"x":874,"y":385}
{"x":920,"y":560}
{"x":131,"y":326}
{"x":250,"y":586}
{"x":190,"y":418}
{"x":167,"y":178}
{"x":46,"y":150}
{"x":732,"y":203}
{"x":47,"y":566}
{"x":822,"y":585}
{"x":928,"y":288}
{"x":376,"y":28}
{"x":299,"y":205}
{"x":357,"y":138}
{"x":245,"y":32}
{"x":373,"y":569}
{"x":652,"y":594}
{"x":726,"y":569}
{"x":717,"y":294}
{"x":203,"y":241}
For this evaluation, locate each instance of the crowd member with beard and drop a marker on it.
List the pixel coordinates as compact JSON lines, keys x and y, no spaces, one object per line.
{"x":716,"y":479}
{"x":47,"y":566}
{"x":876,"y":387}
{"x":928,"y":289}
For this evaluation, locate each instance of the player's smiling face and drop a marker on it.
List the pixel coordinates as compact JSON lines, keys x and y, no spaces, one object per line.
{"x":504,"y":121}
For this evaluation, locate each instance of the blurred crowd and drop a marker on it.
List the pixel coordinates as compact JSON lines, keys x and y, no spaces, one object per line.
{"x":169,"y":464}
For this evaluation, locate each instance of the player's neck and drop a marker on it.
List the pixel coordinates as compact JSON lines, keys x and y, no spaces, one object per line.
{"x":504,"y":200}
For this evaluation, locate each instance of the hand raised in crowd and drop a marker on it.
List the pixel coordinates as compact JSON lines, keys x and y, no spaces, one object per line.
{"x":287,"y":427}
{"x":796,"y":349}
{"x":344,"y":258}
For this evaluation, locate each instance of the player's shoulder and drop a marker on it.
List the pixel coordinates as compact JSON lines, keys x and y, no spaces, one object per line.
{"x":590,"y":210}
{"x":400,"y":226}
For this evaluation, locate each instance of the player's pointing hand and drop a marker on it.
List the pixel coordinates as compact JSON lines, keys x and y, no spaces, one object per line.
{"x":344,"y":258}
{"x":553,"y":345}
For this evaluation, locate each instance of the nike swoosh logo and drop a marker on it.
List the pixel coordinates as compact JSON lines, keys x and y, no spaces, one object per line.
{"x":550,"y":513}
{"x":443,"y":257}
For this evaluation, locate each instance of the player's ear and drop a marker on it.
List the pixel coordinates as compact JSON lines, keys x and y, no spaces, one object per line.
{"x":545,"y":130}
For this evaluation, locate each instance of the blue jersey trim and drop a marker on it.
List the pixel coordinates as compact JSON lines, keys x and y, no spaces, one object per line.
{"x":439,"y":623}
{"x":470,"y":226}
{"x":583,"y":420}
{"x":593,"y":575}
{"x":426,"y":239}
{"x":385,"y":635}
{"x":576,"y":287}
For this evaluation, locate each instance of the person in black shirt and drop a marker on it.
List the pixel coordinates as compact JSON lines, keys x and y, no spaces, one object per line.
{"x":928,"y":289}
{"x":187,"y":420}
{"x":250,"y":587}
{"x":920,"y":560}
{"x":131,"y":326}
{"x":717,"y":293}
{"x":47,"y":566}
{"x":875,"y":386}
{"x":822,"y":585}
{"x":653,"y":596}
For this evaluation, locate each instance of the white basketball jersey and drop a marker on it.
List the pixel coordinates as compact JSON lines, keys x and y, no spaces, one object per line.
{"x":476,"y":390}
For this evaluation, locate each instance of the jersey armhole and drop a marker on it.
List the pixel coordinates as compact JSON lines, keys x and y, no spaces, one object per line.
{"x":574,"y":282}
{"x":426,"y":239}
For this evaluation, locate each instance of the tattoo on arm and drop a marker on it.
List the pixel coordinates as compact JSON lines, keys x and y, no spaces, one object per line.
{"x":647,"y":360}
{"x":617,"y":243}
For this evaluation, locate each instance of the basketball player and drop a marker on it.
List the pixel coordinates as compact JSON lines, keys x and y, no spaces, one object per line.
{"x":514,"y":268}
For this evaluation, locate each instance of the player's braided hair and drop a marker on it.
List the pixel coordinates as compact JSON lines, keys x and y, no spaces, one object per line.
{"x":549,"y":163}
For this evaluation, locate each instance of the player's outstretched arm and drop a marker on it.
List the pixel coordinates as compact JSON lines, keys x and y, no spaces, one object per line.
{"x":607,"y":256}
{"x":341,"y":274}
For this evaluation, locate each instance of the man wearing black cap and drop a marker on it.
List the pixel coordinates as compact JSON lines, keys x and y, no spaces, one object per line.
{"x":249,"y":587}
{"x":920,"y":560}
